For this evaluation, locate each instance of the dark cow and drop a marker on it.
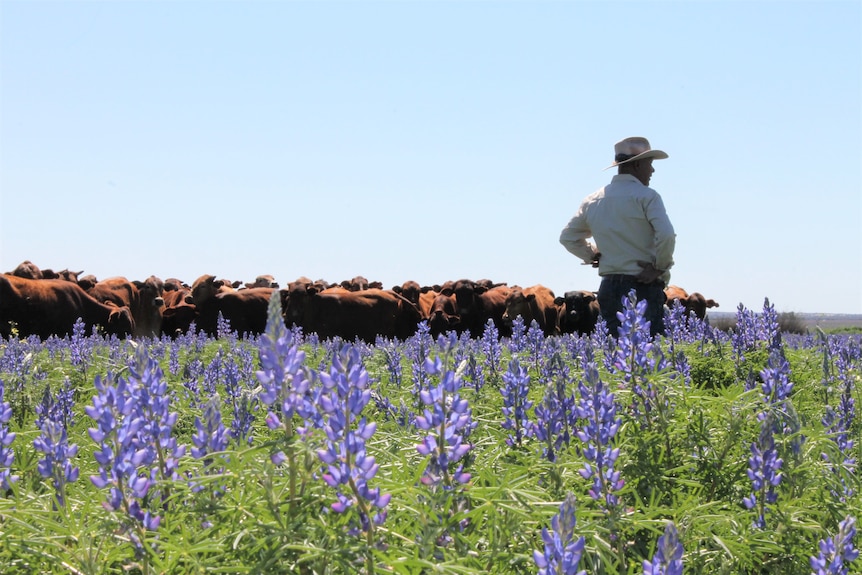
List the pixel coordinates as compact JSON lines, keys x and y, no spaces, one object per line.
{"x":174,"y":284}
{"x":360,"y":283}
{"x":694,"y":303}
{"x":442,"y":314}
{"x":65,"y":274}
{"x":578,"y":311}
{"x":143,"y":298}
{"x":87,"y":282}
{"x":264,"y":281}
{"x":411,"y":290}
{"x":350,"y":315}
{"x":426,"y":300}
{"x":477,"y":304}
{"x":28,"y":270}
{"x":178,"y":313}
{"x":245,"y":309}
{"x":51,"y":307}
{"x":534,"y":303}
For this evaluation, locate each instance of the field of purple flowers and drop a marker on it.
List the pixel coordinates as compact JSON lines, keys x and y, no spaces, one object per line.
{"x":703,"y":451}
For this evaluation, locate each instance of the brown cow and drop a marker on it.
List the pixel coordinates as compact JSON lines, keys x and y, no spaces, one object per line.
{"x":51,"y":307}
{"x":477,"y":304}
{"x":28,"y":270}
{"x":178,"y":313}
{"x":65,"y":274}
{"x":245,"y":309}
{"x":534,"y":303}
{"x":694,"y":303}
{"x":579,"y":311}
{"x":364,"y":314}
{"x":411,"y":290}
{"x":359,"y":283}
{"x":143,"y":298}
{"x":442,"y":314}
{"x":265,"y":281}
{"x":87,"y":282}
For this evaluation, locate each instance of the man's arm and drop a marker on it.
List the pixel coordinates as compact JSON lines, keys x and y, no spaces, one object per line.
{"x":574,"y":239}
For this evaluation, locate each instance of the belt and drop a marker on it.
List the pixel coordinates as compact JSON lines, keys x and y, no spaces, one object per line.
{"x":619,"y":278}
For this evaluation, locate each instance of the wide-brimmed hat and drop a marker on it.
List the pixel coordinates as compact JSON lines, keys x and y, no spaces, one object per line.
{"x":632,"y":149}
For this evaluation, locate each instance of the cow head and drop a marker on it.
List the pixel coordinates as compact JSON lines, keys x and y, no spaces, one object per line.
{"x":204,"y":289}
{"x":27,"y":270}
{"x":518,"y":304}
{"x":410,"y":290}
{"x":120,"y":322}
{"x":579,"y":311}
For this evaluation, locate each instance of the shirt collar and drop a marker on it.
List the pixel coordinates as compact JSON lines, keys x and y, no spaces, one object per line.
{"x":625,"y":178}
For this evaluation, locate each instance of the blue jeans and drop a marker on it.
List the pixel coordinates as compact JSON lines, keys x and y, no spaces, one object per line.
{"x":613,"y":290}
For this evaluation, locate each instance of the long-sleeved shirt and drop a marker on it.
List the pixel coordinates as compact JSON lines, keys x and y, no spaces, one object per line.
{"x":628,"y":223}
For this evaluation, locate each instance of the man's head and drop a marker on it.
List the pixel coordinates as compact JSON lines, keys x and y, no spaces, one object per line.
{"x":641,"y":169}
{"x":633,"y":150}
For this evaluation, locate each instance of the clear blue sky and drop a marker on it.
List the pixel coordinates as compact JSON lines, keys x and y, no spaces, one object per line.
{"x":431,"y":140}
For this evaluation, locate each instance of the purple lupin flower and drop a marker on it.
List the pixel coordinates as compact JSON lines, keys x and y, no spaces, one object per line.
{"x":392,"y":353}
{"x":837,"y":551}
{"x":492,"y":350}
{"x":764,"y":467}
{"x":153,"y":402}
{"x":632,"y":356}
{"x":839,"y":421}
{"x":475,"y":371}
{"x":554,"y":416}
{"x":417,"y":348}
{"x":562,"y":552}
{"x":744,"y":336}
{"x":349,"y":468}
{"x":446,"y":418}
{"x":518,"y":340}
{"x":174,"y":358}
{"x":283,"y":376}
{"x":7,"y":455}
{"x":80,"y":346}
{"x":767,"y":326}
{"x":56,"y":464}
{"x":121,"y":454}
{"x":668,"y":554}
{"x":210,"y":437}
{"x":224,"y":330}
{"x":516,"y":406}
{"x":535,"y":341}
{"x":213,"y":374}
{"x":598,"y":410}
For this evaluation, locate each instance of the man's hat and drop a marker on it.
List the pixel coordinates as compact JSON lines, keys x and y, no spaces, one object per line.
{"x":632,"y":149}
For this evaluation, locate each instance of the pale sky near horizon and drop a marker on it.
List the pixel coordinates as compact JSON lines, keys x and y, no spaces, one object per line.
{"x":432,"y":140}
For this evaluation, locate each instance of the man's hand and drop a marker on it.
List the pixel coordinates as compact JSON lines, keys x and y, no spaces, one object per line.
{"x":595,"y":260}
{"x":648,"y":273}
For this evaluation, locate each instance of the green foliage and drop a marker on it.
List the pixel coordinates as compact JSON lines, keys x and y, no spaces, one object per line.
{"x":688,"y":464}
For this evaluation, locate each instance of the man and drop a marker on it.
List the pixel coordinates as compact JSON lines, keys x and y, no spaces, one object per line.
{"x":634,"y":239}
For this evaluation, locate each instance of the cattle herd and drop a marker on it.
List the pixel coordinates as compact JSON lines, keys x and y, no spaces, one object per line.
{"x":43,"y":303}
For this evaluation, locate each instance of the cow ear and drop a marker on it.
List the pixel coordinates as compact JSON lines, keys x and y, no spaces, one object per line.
{"x":138,"y":284}
{"x":313,"y":289}
{"x":559,"y":300}
{"x":591,"y":296}
{"x":531,"y":297}
{"x":711,"y":303}
{"x":446,"y":291}
{"x":397,"y":289}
